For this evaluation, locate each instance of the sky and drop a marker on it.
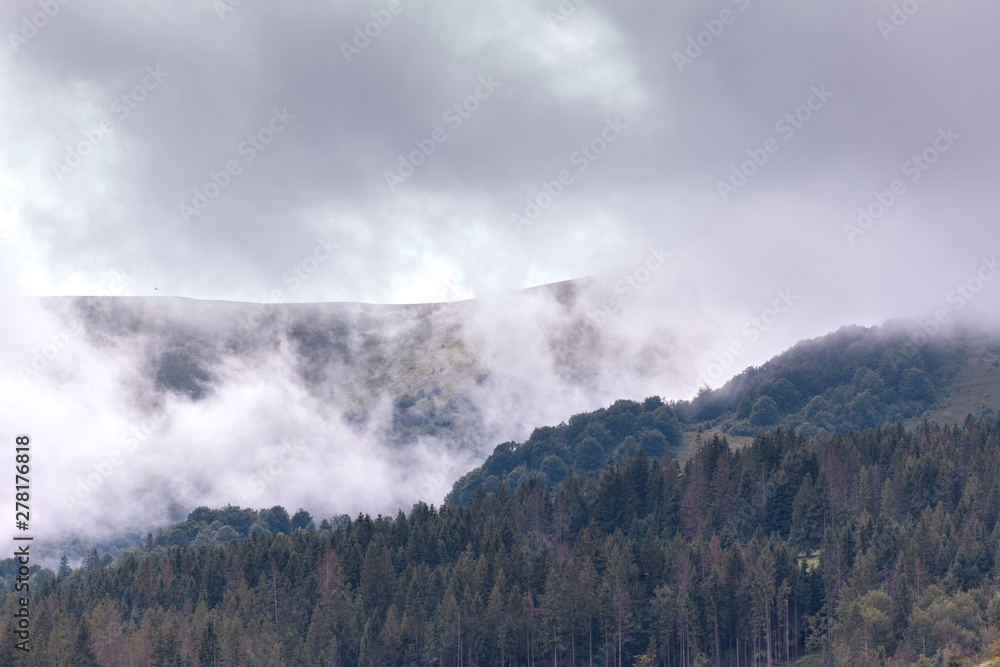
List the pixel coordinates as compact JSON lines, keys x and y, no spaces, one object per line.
{"x":794,"y":167}
{"x":163,"y":95}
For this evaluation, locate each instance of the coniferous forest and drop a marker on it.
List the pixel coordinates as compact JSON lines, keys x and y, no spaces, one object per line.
{"x":872,"y":547}
{"x":510,"y":333}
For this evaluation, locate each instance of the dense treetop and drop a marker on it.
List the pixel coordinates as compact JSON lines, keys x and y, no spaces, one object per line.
{"x":854,"y":378}
{"x":857,"y":548}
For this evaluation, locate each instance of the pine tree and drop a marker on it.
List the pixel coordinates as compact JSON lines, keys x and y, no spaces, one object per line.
{"x":83,"y":650}
{"x":208,"y":646}
{"x":64,"y":569}
{"x":372,"y":652}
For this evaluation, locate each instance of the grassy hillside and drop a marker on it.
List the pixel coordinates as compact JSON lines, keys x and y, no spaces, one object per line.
{"x":975,"y":389}
{"x":856,"y":378}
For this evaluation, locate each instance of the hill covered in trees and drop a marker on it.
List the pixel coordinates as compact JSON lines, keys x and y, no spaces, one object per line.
{"x":584,"y":444}
{"x":864,"y":547}
{"x":854,"y":378}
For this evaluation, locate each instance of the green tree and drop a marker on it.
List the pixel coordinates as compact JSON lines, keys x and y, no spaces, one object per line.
{"x":864,"y":628}
{"x":807,"y":515}
{"x":620,"y":581}
{"x":378,"y":579}
{"x":372,"y":652}
{"x":916,"y":386}
{"x":786,"y":396}
{"x":276,"y":519}
{"x":83,"y":650}
{"x":302,"y":519}
{"x":764,"y":411}
{"x":208,"y":646}
{"x":64,"y":569}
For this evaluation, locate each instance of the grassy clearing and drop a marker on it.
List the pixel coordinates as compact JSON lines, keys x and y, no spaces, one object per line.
{"x":691,"y":438}
{"x":976,"y":385}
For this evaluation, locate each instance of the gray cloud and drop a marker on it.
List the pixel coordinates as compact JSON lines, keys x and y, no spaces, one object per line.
{"x":446,"y":232}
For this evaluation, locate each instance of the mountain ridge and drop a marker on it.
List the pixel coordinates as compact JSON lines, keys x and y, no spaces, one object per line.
{"x":854,"y":378}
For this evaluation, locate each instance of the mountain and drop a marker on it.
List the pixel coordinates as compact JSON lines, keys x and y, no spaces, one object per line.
{"x":821,"y":507}
{"x":856,"y":378}
{"x":164,"y":404}
{"x":852,"y":379}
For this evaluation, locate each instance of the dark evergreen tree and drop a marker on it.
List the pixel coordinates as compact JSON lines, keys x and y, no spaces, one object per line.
{"x":83,"y":649}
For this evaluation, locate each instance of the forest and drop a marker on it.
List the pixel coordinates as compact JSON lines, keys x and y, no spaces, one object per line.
{"x":854,"y":378}
{"x":870,"y":547}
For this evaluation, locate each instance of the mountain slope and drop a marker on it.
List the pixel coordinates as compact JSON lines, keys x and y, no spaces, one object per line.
{"x":164,"y":404}
{"x":852,"y":379}
{"x":871,"y":548}
{"x":855,"y":378}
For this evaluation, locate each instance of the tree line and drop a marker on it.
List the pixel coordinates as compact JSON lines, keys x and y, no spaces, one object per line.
{"x":865,"y":548}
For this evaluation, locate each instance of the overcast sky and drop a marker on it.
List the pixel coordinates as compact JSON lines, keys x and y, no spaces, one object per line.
{"x":756,"y":172}
{"x":183,"y":86}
